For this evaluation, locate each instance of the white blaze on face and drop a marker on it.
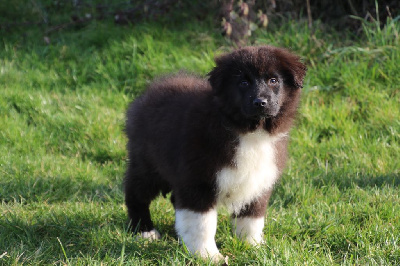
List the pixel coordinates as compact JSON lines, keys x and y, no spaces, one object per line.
{"x":197,"y":230}
{"x":254,"y":172}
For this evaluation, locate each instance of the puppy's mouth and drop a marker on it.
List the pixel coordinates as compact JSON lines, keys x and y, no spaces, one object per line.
{"x":262,"y":114}
{"x":256,"y":111}
{"x":261,"y":117}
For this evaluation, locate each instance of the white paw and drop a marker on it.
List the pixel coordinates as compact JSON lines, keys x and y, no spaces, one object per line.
{"x":151,"y":235}
{"x":250,"y":229}
{"x":197,"y":231}
{"x":255,"y":240}
{"x":216,"y":257}
{"x":219,"y":258}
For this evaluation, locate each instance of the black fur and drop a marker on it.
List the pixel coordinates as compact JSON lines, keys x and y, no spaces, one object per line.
{"x":184,"y":129}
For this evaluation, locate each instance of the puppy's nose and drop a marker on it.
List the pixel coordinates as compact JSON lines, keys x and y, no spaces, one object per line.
{"x":260,"y":102}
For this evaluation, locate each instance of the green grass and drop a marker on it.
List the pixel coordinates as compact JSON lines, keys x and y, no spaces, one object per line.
{"x":62,"y":146}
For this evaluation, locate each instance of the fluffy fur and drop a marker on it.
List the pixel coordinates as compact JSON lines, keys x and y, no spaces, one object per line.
{"x":215,"y":142}
{"x":253,"y":171}
{"x":197,"y":231}
{"x":249,"y":229}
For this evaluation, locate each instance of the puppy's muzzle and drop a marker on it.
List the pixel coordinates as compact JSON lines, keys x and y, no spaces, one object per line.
{"x":263,"y":107}
{"x":260,"y":103}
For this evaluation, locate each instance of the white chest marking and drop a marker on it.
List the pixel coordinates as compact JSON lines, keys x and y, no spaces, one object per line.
{"x":254,"y":171}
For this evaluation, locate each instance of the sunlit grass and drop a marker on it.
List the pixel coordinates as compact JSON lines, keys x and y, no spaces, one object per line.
{"x":62,"y":146}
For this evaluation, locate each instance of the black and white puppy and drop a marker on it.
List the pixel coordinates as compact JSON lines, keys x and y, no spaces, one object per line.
{"x":216,"y":142}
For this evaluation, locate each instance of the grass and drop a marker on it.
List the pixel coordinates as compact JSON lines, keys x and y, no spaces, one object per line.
{"x":62,"y":146}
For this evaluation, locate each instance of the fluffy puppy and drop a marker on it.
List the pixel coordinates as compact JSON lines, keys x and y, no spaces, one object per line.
{"x":216,"y":142}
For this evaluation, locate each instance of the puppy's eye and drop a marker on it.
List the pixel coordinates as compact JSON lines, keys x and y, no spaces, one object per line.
{"x":244,"y":83}
{"x":273,"y":81}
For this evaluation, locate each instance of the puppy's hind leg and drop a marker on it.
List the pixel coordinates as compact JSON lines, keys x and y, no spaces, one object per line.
{"x":140,"y":189}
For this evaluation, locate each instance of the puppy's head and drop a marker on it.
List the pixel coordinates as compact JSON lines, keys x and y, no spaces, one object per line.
{"x":257,"y":81}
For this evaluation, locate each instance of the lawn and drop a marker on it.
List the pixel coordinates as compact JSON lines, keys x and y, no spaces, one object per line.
{"x":62,"y":146}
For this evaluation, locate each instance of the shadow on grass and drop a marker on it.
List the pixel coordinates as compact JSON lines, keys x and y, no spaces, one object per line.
{"x":102,"y":234}
{"x":59,"y":189}
{"x":83,"y":233}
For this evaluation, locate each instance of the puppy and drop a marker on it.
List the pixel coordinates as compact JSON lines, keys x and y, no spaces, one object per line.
{"x":216,"y":142}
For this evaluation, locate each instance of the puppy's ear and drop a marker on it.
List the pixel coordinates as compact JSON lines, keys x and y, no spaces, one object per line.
{"x":216,"y":76}
{"x":293,"y":69}
{"x":298,"y":70}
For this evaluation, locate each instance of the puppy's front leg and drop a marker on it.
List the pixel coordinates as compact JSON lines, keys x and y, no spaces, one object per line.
{"x":249,"y":223}
{"x":197,"y":230}
{"x":250,"y":229}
